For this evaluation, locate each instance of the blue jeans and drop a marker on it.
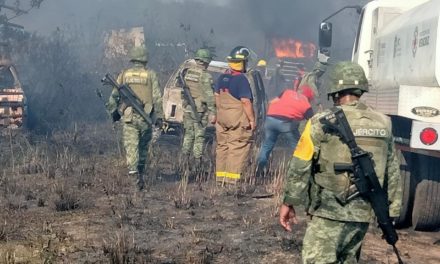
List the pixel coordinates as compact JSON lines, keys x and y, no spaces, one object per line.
{"x":274,"y":127}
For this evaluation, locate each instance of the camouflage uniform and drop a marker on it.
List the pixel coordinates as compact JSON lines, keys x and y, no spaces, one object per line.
{"x":335,"y":232}
{"x":311,"y":79}
{"x":137,"y":133}
{"x":200,"y":85}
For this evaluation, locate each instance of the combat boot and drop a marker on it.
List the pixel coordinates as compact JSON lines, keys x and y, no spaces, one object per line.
{"x":140,"y":181}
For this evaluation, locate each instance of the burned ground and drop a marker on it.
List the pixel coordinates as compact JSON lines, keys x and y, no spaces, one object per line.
{"x":66,"y":199}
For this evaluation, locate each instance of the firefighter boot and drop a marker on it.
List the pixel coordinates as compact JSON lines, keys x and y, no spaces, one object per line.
{"x":140,"y":182}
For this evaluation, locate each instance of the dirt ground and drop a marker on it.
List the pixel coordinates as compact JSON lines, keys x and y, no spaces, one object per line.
{"x":65,"y":198}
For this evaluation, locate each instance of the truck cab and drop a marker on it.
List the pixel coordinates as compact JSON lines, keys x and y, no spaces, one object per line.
{"x":398,"y":46}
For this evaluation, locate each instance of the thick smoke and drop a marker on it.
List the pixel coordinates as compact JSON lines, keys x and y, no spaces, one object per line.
{"x":240,"y":22}
{"x":300,"y":20}
{"x":72,"y":33}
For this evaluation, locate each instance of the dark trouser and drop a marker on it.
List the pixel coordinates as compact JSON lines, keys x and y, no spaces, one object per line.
{"x":274,"y":127}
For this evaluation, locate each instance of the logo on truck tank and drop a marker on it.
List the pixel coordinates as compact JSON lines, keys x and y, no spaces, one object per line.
{"x":397,"y":51}
{"x":425,"y":111}
{"x":415,"y":41}
{"x":424,"y":38}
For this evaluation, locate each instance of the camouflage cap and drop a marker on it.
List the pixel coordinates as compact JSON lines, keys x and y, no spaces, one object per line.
{"x":139,"y":54}
{"x":346,"y":75}
{"x":203,"y":55}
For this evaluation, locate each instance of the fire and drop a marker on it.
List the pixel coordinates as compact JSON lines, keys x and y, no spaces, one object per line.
{"x":291,"y":48}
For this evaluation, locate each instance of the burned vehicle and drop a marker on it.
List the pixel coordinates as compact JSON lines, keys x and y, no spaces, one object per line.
{"x":12,"y":99}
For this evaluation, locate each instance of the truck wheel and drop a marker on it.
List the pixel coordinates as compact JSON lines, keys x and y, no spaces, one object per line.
{"x":408,"y":188}
{"x":426,"y":212}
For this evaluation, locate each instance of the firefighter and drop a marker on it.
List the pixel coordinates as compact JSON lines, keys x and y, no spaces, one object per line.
{"x":235,"y":118}
{"x":262,"y":68}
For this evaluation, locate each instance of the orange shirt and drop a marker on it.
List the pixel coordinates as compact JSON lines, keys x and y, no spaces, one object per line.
{"x":290,"y":105}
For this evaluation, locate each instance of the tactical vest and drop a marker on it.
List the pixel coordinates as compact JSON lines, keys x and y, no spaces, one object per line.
{"x":139,"y":81}
{"x":372,"y":133}
{"x":193,"y":78}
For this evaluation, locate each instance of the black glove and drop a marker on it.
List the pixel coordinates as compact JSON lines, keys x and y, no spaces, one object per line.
{"x":116,"y":116}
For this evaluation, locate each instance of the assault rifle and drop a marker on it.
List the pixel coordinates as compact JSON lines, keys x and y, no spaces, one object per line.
{"x":128,"y":97}
{"x":187,"y":96}
{"x":365,"y":181}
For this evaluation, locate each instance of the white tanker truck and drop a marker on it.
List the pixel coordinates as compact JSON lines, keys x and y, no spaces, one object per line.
{"x":398,"y":45}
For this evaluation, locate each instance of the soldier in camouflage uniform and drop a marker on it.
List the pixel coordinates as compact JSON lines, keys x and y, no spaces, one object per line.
{"x":137,"y":133}
{"x":200,"y":84}
{"x":335,"y":232}
{"x":311,"y":79}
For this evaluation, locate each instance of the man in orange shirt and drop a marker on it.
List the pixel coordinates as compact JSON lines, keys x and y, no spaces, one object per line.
{"x":283,"y":117}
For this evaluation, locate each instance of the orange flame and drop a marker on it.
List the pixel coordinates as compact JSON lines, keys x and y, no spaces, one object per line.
{"x":291,"y":48}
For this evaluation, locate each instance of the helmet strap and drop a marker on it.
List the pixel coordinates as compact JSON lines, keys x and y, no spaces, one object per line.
{"x":138,"y":62}
{"x":202,"y":63}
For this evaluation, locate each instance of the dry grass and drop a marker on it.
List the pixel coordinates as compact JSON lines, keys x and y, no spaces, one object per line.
{"x":182,"y":198}
{"x":122,"y":249}
{"x":72,"y":177}
{"x":67,"y":200}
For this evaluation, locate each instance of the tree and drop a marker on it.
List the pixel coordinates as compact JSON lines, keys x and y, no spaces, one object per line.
{"x":10,"y":31}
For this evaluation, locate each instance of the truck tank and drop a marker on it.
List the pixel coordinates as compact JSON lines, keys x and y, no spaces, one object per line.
{"x":403,"y":67}
{"x":406,"y":65}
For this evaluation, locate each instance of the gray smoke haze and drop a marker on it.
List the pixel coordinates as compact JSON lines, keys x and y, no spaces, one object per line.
{"x":239,"y":22}
{"x":61,"y":62}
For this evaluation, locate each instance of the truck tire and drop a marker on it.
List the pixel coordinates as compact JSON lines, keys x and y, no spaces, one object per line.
{"x":426,"y":211}
{"x":408,"y":188}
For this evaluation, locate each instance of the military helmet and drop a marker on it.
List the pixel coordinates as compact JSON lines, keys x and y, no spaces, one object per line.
{"x":203,"y":55}
{"x":138,"y":53}
{"x":239,"y":53}
{"x":346,"y":75}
